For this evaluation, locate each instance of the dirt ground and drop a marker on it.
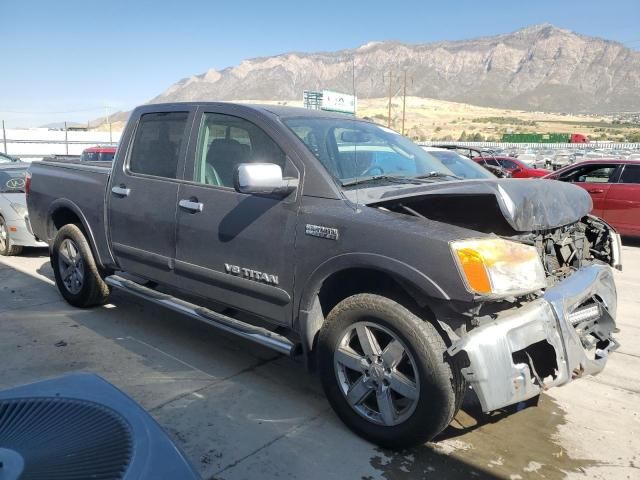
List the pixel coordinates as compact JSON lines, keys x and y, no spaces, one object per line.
{"x":242,"y":412}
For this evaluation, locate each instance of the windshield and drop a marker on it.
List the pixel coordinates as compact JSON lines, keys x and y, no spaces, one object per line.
{"x":5,"y":158}
{"x":460,"y":165}
{"x":350,"y":150}
{"x":12,"y":181}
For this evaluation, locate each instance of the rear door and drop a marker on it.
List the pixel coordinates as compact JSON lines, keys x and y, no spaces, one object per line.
{"x":595,"y":178}
{"x":234,"y":248}
{"x":622,"y":204}
{"x":143,"y":193}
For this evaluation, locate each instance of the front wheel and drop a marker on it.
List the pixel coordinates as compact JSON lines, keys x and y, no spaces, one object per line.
{"x":386,"y":373}
{"x":75,"y":269}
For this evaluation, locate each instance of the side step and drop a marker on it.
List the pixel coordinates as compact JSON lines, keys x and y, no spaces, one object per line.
{"x":245,"y":330}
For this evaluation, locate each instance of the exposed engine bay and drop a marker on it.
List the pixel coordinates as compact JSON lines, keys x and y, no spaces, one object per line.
{"x":566,"y":249}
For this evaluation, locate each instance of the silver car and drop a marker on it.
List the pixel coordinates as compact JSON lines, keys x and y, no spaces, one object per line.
{"x":15,"y":232}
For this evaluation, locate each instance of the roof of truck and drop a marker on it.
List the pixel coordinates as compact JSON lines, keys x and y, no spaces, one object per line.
{"x":278,"y":110}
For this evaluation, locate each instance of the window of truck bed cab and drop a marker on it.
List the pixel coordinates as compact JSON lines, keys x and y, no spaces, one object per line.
{"x":224,"y":142}
{"x":157,"y":144}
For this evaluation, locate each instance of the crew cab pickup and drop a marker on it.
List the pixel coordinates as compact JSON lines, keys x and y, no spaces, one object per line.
{"x":403,"y":281}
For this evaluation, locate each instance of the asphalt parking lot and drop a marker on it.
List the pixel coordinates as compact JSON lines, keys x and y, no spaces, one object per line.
{"x":240,"y":411}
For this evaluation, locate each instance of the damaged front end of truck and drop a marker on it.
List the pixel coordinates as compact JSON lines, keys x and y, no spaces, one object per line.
{"x":515,"y":344}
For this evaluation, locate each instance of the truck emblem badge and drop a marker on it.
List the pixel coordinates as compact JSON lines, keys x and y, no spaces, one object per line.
{"x":322,"y":232}
{"x":251,"y":274}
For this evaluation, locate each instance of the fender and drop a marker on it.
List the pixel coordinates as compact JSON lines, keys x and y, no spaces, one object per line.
{"x":310,"y":316}
{"x":64,"y":203}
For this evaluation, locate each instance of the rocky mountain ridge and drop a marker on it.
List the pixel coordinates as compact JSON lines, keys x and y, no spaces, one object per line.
{"x":541,"y":67}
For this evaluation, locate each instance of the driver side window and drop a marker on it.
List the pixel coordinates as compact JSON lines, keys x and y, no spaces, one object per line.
{"x":590,"y":174}
{"x":224,"y":142}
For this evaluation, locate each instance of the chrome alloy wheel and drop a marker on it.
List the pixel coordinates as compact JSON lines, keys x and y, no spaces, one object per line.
{"x":71,"y":266}
{"x":3,"y":234}
{"x":376,"y":373}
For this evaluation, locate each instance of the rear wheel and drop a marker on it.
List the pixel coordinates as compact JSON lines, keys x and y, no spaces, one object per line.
{"x":7,"y":248}
{"x":75,"y":269}
{"x":385,"y":372}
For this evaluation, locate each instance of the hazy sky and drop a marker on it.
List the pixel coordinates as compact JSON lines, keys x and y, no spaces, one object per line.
{"x":66,"y":60}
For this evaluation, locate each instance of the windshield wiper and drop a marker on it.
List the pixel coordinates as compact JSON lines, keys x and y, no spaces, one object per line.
{"x":376,"y":178}
{"x":439,"y":175}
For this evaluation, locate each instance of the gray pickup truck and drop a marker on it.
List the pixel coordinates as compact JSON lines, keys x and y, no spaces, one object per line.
{"x":402,"y":280}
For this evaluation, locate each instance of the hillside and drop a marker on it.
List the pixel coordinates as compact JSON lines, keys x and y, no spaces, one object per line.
{"x":540,"y":67}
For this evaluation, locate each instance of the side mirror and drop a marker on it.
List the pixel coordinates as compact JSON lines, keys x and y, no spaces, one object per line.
{"x":262,"y":179}
{"x":516,"y":170}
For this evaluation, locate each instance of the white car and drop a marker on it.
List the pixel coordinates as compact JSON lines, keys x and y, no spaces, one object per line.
{"x":14,"y":225}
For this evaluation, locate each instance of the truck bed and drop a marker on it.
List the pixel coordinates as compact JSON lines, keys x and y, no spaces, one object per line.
{"x":80,"y":188}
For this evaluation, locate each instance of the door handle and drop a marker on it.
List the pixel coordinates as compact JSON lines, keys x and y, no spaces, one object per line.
{"x":191,"y":205}
{"x":121,"y":191}
{"x":595,"y":191}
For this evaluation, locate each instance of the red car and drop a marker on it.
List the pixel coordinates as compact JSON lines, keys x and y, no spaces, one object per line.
{"x":98,"y":154}
{"x":614,"y":186}
{"x":515,"y":167}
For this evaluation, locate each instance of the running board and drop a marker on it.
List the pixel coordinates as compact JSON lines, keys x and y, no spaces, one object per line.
{"x":245,"y":330}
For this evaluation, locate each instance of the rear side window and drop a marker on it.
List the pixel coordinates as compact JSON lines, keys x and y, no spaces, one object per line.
{"x":157,"y":144}
{"x":630,"y":174}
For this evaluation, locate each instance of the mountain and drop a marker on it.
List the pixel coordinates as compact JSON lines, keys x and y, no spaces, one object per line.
{"x":541,"y":67}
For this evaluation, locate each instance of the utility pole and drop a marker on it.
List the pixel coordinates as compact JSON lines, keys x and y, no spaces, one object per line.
{"x":404,"y":98}
{"x":108,"y":119}
{"x":353,"y":84}
{"x":390,"y":97}
{"x":66,"y":138}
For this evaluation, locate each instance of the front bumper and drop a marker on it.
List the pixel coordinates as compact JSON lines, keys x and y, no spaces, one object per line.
{"x":511,"y":358}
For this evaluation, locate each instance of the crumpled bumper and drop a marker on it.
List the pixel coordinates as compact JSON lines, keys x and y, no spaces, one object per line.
{"x":548,"y":342}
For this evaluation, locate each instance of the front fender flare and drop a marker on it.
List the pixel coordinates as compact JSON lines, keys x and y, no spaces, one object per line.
{"x":310,"y":316}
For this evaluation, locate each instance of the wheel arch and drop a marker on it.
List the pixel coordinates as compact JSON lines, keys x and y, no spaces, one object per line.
{"x":63,"y":212}
{"x":348,"y":274}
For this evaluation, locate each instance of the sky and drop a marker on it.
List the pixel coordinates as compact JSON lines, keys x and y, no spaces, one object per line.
{"x":72,"y":60}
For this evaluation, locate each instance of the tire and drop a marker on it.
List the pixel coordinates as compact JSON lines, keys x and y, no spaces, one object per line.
{"x":7,"y":249}
{"x":75,"y":270}
{"x":434,"y":381}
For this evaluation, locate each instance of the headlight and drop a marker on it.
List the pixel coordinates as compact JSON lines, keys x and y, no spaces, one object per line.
{"x":497,"y":267}
{"x":19,"y":209}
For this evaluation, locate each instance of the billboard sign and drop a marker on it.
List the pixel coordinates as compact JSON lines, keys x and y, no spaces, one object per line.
{"x":338,"y":102}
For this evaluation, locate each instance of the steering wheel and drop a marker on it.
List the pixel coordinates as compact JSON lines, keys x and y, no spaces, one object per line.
{"x":370,"y":171}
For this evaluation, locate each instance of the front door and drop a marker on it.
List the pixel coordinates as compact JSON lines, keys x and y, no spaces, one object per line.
{"x":622,"y":205}
{"x":233,"y":248}
{"x":143,"y":194}
{"x":595,"y":178}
